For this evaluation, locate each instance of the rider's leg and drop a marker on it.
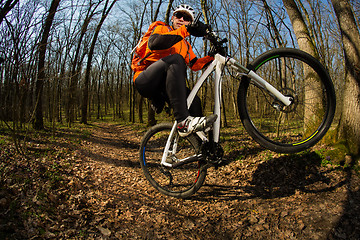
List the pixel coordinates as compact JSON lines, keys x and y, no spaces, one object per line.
{"x":169,"y":73}
{"x":176,"y":85}
{"x":166,"y":75}
{"x":150,"y":84}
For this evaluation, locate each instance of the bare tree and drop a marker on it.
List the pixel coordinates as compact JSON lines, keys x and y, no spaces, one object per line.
{"x":84,"y":108}
{"x":76,"y":63}
{"x":272,"y":25}
{"x":349,"y":123}
{"x":6,"y":7}
{"x":39,"y":121}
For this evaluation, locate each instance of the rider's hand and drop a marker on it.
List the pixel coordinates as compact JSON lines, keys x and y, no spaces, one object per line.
{"x":212,"y":52}
{"x":198,"y":29}
{"x":221,"y":50}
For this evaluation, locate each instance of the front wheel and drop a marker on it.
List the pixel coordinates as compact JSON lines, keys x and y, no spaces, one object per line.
{"x":181,"y":181}
{"x":293,"y":128}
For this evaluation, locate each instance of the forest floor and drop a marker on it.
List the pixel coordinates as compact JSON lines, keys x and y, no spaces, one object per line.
{"x":87,"y":184}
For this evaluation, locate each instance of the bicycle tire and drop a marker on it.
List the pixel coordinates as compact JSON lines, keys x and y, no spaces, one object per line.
{"x":300,"y":125}
{"x":179,"y":182}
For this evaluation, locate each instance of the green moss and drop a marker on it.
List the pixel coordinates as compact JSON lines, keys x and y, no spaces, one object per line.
{"x":330,"y":137}
{"x":337,"y":154}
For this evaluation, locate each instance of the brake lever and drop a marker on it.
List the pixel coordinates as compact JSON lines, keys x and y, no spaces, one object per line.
{"x":197,"y":18}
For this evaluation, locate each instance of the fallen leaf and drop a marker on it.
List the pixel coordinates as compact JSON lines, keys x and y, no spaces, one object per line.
{"x":104,"y":231}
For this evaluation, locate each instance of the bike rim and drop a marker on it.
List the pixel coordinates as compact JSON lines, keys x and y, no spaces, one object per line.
{"x":293,"y":76}
{"x":170,"y":180}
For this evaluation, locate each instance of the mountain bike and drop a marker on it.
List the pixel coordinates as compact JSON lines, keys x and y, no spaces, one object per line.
{"x":286,"y":101}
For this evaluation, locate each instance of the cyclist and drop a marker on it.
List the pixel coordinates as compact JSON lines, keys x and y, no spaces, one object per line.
{"x":168,"y":53}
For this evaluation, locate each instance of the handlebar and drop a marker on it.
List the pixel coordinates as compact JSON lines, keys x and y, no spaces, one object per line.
{"x":216,"y":42}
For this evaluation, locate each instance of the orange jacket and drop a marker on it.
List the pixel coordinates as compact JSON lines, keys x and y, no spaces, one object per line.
{"x":163,"y":42}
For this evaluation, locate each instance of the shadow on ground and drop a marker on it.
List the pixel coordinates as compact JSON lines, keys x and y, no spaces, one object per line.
{"x":288,"y":175}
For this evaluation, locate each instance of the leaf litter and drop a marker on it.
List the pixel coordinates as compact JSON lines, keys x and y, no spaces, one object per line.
{"x":95,"y":189}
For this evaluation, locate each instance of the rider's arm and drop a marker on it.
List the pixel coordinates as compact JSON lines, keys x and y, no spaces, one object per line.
{"x":197,"y":64}
{"x":162,"y":38}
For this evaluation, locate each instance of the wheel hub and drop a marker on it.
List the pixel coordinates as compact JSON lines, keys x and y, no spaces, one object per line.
{"x":287,"y":92}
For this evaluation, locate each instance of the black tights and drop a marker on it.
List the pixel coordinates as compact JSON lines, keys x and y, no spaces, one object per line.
{"x":167,"y":76}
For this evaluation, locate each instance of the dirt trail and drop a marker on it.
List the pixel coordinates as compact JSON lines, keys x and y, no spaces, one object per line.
{"x":255,"y":198}
{"x":90,"y":186}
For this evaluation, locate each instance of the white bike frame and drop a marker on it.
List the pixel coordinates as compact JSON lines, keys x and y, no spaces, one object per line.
{"x":218,"y":64}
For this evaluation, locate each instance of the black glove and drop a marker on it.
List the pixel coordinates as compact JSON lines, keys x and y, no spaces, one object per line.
{"x":198,"y":29}
{"x":221,"y":50}
{"x":212,"y":52}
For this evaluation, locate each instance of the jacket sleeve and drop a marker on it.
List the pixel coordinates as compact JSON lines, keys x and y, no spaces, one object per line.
{"x":199,"y":63}
{"x":162,"y":38}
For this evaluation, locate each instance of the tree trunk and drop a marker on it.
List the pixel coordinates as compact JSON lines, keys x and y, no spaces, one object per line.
{"x":156,"y":13}
{"x":312,"y":95}
{"x":76,"y":64}
{"x":141,"y":113}
{"x":300,"y":28}
{"x":84,"y":108}
{"x":349,"y":123}
{"x":168,"y":11}
{"x":39,"y":122}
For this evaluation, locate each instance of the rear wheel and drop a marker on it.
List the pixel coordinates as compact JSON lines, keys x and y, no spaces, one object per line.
{"x":291,"y":128}
{"x":181,"y":181}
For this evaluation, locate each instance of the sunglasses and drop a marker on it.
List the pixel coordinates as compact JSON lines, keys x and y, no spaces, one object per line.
{"x":185,"y":16}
